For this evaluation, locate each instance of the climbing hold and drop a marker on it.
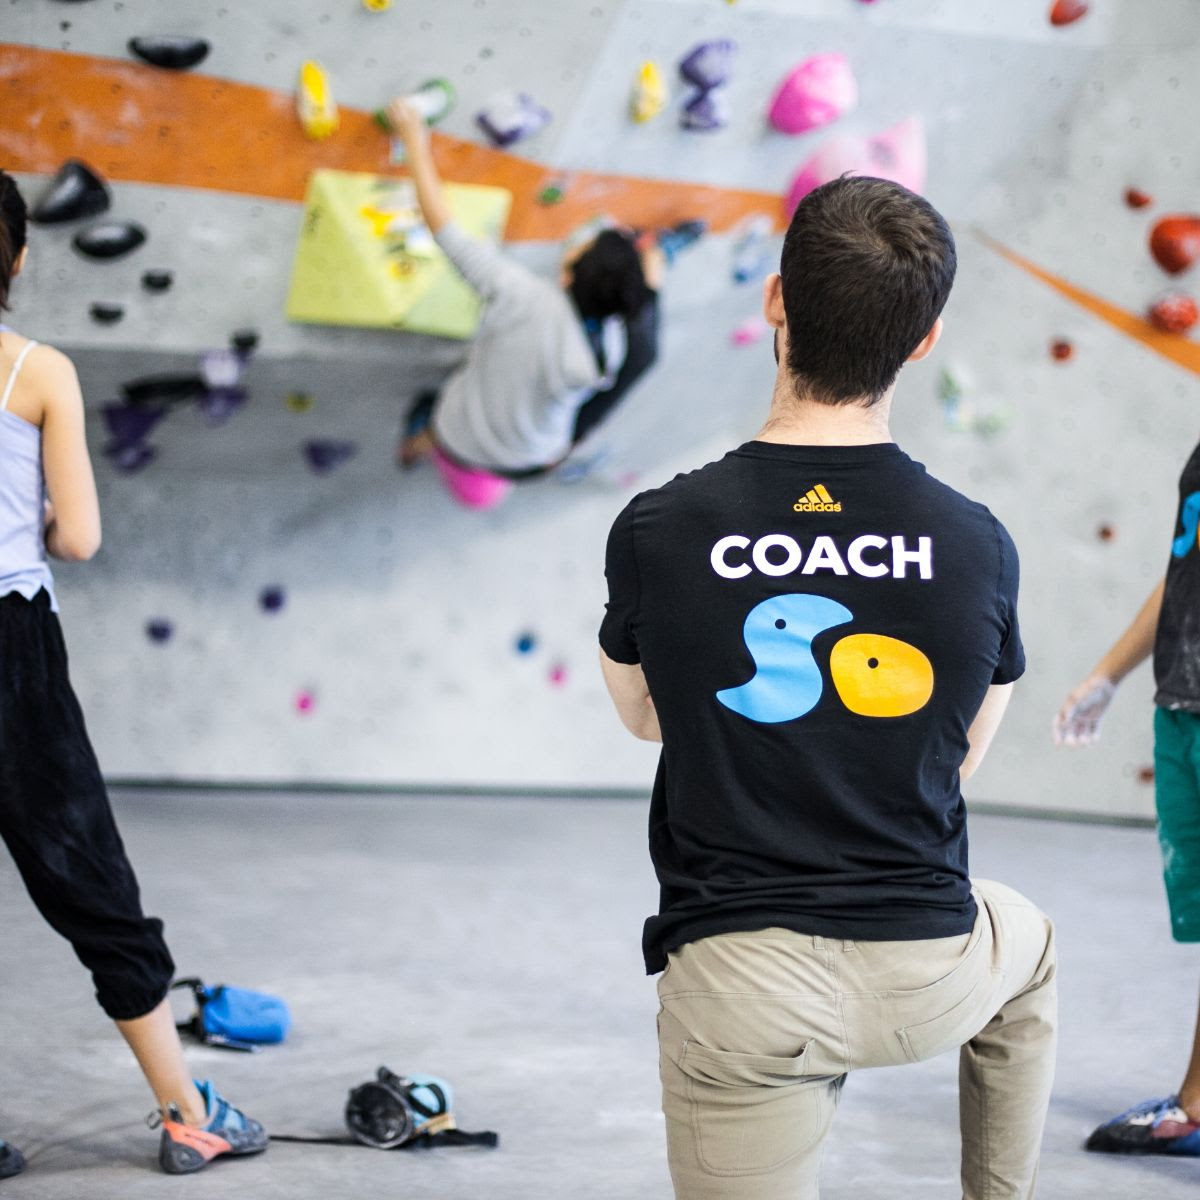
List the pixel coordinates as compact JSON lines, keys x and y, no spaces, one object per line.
{"x":221,"y":369}
{"x":157,"y":281}
{"x":219,"y":404}
{"x":129,"y":459}
{"x":109,"y":239}
{"x":1175,"y":242}
{"x":298,"y":402}
{"x":106,"y":314}
{"x":1136,"y":198}
{"x":328,"y":454}
{"x":554,"y":192}
{"x":679,"y":237}
{"x":1061,"y":350}
{"x":1175,"y":313}
{"x":751,"y":248}
{"x":525,"y":643}
{"x":434,"y":99}
{"x":128,"y":427}
{"x":75,"y":191}
{"x":706,"y":111}
{"x":170,"y":50}
{"x":1066,"y":12}
{"x":1106,"y":532}
{"x":510,"y":117}
{"x":819,"y":90}
{"x":1145,"y":774}
{"x":377,"y":5}
{"x":649,"y":93}
{"x":897,"y":154}
{"x":558,"y":675}
{"x":163,"y":389}
{"x":750,"y":331}
{"x":709,"y":64}
{"x":305,"y":701}
{"x":272,"y":599}
{"x":158,"y":630}
{"x":244,"y":341}
{"x":314,"y":102}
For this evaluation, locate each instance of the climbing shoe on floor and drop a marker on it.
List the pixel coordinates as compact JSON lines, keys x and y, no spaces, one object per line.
{"x":12,"y":1161}
{"x":1152,"y":1127}
{"x":185,"y":1149}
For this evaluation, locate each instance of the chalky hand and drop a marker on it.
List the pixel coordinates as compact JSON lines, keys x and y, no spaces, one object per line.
{"x":1078,"y":721}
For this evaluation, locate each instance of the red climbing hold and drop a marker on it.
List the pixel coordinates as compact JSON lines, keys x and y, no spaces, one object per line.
{"x":1145,"y":774}
{"x":1062,"y":350}
{"x":1136,"y":198}
{"x":1176,"y":313}
{"x":1175,"y":242}
{"x":1067,"y":12}
{"x":1106,"y":533}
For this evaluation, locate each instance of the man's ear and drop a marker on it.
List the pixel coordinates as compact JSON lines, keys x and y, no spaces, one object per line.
{"x":927,"y":343}
{"x":773,"y":302}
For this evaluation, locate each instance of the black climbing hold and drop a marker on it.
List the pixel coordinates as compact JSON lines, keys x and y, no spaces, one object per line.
{"x":159,"y":631}
{"x":76,"y":191}
{"x":106,"y":314}
{"x":328,"y":454}
{"x":172,"y":51}
{"x":164,"y":389}
{"x":272,"y":599}
{"x":244,"y":341}
{"x":109,"y":239}
{"x":157,"y":281}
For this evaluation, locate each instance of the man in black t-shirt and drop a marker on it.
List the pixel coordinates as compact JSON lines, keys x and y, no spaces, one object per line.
{"x":1169,"y":625}
{"x":824,"y":639}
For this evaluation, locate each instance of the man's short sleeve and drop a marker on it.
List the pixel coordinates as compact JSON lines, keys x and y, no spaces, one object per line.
{"x":617,"y":637}
{"x":1011,"y":664}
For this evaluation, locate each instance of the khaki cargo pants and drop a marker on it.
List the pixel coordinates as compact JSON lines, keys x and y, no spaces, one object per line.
{"x":757,"y":1032}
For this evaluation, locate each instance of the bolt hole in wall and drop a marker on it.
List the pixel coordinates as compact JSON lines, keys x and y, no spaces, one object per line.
{"x":226,"y":244}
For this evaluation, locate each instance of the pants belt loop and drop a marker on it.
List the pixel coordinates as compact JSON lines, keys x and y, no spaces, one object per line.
{"x":847,"y":944}
{"x":818,"y":943}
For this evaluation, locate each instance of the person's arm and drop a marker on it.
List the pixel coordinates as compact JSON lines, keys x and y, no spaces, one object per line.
{"x":626,"y":683}
{"x":73,"y":516}
{"x":1077,"y":723}
{"x":409,"y":125}
{"x":983,"y":728}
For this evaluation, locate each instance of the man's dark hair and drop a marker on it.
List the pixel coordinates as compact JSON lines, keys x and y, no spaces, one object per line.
{"x":607,"y":278}
{"x":12,"y":232}
{"x":867,"y":267}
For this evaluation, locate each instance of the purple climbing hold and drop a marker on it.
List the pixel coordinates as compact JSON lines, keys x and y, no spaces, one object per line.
{"x":129,"y":423}
{"x":159,"y":631}
{"x":106,"y":314}
{"x":109,"y":239}
{"x":171,"y":51}
{"x":130,"y":458}
{"x":75,"y":192}
{"x":709,"y":64}
{"x":706,"y":111}
{"x":157,"y":281}
{"x":272,"y":599}
{"x":510,"y":117}
{"x":217,"y":405}
{"x":221,"y":369}
{"x":327,"y":454}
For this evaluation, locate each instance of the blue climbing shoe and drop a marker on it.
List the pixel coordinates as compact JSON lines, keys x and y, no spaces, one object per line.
{"x":1152,"y":1127}
{"x":12,"y":1161}
{"x":185,"y":1149}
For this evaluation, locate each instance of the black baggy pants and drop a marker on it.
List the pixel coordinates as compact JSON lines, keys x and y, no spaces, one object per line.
{"x":56,"y":819}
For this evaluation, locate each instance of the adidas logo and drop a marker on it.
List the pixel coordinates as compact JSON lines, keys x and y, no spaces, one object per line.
{"x":817,"y":499}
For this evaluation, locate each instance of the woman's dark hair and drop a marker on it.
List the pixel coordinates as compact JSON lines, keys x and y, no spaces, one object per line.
{"x":867,"y":268}
{"x":12,"y":232}
{"x":607,"y":279}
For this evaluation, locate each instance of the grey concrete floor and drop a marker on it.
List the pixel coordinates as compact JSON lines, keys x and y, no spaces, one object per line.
{"x":495,"y":942}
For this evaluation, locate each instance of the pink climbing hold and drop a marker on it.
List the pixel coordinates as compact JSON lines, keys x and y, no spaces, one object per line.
{"x":558,"y":675}
{"x":897,"y":154}
{"x":749,"y":332}
{"x":818,"y":91}
{"x":471,"y":487}
{"x":305,"y":702}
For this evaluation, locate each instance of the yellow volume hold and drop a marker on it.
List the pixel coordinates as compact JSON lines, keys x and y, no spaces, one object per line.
{"x":314,"y":102}
{"x":649,"y":92}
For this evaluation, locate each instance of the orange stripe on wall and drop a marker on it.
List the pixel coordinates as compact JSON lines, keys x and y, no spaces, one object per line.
{"x":1180,"y":350}
{"x":139,"y":124}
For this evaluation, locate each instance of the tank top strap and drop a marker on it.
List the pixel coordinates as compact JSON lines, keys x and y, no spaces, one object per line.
{"x":12,"y":376}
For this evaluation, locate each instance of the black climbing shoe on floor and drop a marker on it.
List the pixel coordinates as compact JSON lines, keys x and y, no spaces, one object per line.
{"x":12,"y":1161}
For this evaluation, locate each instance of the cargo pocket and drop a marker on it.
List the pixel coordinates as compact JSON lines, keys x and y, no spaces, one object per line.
{"x":751,"y":1113}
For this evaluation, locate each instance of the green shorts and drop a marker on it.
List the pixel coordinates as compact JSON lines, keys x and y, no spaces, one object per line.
{"x":1177,"y":794}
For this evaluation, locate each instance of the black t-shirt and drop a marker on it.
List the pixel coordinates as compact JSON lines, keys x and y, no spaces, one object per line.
{"x":1177,"y":642}
{"x":818,"y":626}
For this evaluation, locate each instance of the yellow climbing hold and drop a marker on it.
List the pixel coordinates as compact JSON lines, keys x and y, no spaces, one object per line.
{"x":649,"y":92}
{"x":314,"y":102}
{"x":377,"y":5}
{"x":878,"y":676}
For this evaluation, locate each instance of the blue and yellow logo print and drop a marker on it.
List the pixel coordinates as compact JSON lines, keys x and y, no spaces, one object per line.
{"x":875,"y":675}
{"x":1189,"y":518}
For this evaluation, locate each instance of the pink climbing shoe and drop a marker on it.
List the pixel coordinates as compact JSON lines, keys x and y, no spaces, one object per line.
{"x":471,"y":487}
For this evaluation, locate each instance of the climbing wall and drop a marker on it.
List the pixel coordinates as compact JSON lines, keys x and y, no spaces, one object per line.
{"x":275,"y":601}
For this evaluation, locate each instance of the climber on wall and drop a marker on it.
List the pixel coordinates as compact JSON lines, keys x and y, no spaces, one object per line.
{"x":551,"y":359}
